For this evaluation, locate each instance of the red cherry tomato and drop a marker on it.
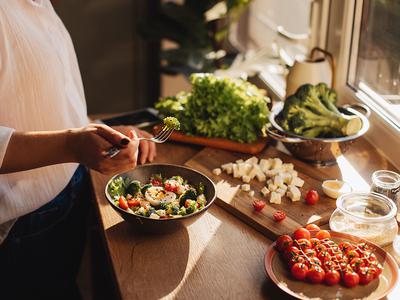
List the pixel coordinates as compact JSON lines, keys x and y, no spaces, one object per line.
{"x":313,"y":227}
{"x":310,"y":252}
{"x":324,"y":256}
{"x":291,"y":252}
{"x":283,"y":242}
{"x":320,"y":248}
{"x":332,"y":277}
{"x":351,"y":279}
{"x":156,"y":182}
{"x":366,"y":275}
{"x":297,"y":259}
{"x":301,"y":233}
{"x":133,"y":203}
{"x":303,"y":244}
{"x":323,"y":234}
{"x":279,"y":215}
{"x":258,"y":205}
{"x":345,"y":246}
{"x":299,"y":271}
{"x":122,"y":203}
{"x":352,"y":254}
{"x":315,"y":261}
{"x":315,"y":274}
{"x":312,"y":197}
{"x":357,"y":264}
{"x":314,"y":242}
{"x":377,"y":270}
{"x":171,"y":186}
{"x":328,"y":265}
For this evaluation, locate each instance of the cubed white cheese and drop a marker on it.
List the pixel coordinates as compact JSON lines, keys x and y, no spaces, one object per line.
{"x":287,"y":167}
{"x":272,"y":187}
{"x":293,"y":173}
{"x":265,"y":191}
{"x":245,"y":187}
{"x":294,"y":193}
{"x":271,"y":173}
{"x":265,"y":165}
{"x":297,"y":181}
{"x":154,"y":216}
{"x":235,"y":171}
{"x":251,"y":193}
{"x":281,"y":191}
{"x":217,"y":171}
{"x":240,"y":161}
{"x":287,"y":178}
{"x":277,"y":164}
{"x":241,"y":169}
{"x":228,"y":168}
{"x":246,"y":179}
{"x":278,"y":180}
{"x":254,"y":171}
{"x":261,"y":177}
{"x":247,"y":168}
{"x":252,"y":160}
{"x":275,"y":198}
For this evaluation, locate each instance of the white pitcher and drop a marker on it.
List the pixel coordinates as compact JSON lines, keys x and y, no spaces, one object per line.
{"x":311,"y":70}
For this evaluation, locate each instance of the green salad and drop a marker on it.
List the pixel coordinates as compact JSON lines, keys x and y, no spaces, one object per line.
{"x":160,"y":198}
{"x":219,"y":107}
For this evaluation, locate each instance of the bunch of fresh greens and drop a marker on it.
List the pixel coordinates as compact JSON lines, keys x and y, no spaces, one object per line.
{"x":219,"y":107}
{"x":312,"y":112}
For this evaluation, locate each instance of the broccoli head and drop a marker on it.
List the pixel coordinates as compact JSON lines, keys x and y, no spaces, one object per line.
{"x":311,"y":112}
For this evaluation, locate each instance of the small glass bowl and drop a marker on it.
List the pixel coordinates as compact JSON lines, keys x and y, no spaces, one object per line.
{"x":367,"y":215}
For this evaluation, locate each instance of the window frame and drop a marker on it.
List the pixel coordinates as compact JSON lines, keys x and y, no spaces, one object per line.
{"x":383,"y":133}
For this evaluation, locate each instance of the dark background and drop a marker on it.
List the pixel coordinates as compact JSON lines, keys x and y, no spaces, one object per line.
{"x":120,"y":70}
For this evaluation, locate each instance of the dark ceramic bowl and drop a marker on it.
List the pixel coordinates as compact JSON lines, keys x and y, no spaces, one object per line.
{"x":143,"y":173}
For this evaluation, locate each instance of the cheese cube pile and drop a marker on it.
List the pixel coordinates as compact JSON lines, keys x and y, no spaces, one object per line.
{"x":280,"y":178}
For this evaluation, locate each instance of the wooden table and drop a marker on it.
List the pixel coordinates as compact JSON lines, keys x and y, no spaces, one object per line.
{"x":217,"y":257}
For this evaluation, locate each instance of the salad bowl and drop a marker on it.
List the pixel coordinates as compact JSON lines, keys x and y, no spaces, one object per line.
{"x":163,"y":225}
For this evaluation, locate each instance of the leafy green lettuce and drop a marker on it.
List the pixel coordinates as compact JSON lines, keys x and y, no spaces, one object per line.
{"x":219,"y":107}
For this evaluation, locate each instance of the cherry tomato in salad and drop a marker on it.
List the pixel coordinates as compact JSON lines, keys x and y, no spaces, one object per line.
{"x":171,"y":186}
{"x":299,"y":271}
{"x":313,"y":227}
{"x":323,"y":234}
{"x":122,"y":203}
{"x":283,"y":242}
{"x":279,"y":215}
{"x":301,"y":233}
{"x":258,"y":205}
{"x":133,"y":202}
{"x":312,"y":197}
{"x":332,"y":277}
{"x":351,"y":279}
{"x":315,"y":274}
{"x":156,"y":182}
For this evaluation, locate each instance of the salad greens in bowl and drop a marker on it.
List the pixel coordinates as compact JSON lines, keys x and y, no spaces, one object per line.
{"x":160,"y":198}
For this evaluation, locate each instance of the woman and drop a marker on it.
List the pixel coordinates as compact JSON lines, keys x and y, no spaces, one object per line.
{"x":45,"y":145}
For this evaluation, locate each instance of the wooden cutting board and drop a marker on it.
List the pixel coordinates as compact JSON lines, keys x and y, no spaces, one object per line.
{"x":219,"y":143}
{"x":239,"y":203}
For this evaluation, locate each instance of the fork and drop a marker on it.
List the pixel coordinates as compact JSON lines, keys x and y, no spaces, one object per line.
{"x":161,"y":137}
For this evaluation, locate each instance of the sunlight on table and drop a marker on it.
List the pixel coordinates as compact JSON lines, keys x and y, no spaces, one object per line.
{"x":351,"y":175}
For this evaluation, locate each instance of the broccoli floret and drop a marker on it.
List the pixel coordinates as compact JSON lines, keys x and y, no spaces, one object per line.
{"x":201,"y":188}
{"x":172,"y":123}
{"x":182,"y":211}
{"x":133,"y":187}
{"x":145,"y":187}
{"x":189,"y":194}
{"x":311,"y":112}
{"x":192,"y":207}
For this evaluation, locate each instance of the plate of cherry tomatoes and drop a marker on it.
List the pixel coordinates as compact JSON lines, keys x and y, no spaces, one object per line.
{"x":314,"y":263}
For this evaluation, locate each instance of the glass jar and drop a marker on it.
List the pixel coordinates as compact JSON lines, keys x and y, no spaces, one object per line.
{"x":367,"y":215}
{"x":386,"y":183}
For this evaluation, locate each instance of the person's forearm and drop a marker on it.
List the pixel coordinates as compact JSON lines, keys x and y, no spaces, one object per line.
{"x":29,"y":150}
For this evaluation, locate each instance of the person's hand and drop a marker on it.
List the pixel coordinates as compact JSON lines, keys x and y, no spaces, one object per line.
{"x":88,"y":145}
{"x":147,"y":150}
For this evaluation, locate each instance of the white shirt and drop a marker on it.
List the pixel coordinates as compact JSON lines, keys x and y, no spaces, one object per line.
{"x":40,"y":89}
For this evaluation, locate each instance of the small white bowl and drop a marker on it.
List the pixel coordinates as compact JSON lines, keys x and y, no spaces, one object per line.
{"x":334,"y":188}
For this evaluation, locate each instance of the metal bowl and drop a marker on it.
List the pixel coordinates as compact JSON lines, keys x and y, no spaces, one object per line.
{"x":143,"y":173}
{"x":318,"y":151}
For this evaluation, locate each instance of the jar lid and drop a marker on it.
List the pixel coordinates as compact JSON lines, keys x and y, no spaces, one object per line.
{"x":367,"y":207}
{"x":386,"y":179}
